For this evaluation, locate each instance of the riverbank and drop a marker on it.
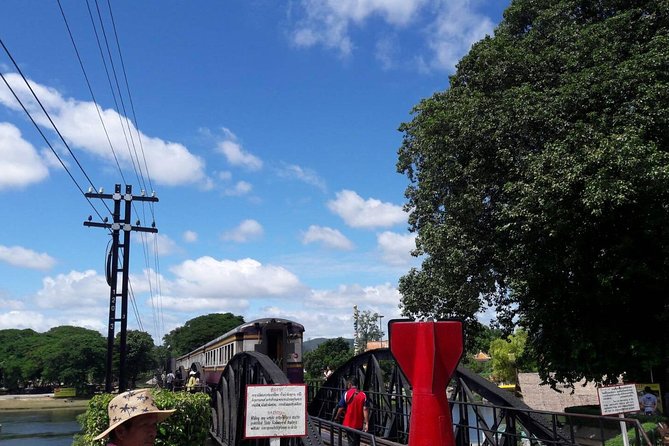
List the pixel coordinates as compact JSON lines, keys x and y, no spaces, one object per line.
{"x":39,"y":402}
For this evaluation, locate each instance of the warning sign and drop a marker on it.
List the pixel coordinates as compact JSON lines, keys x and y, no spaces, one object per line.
{"x":618,"y":399}
{"x":276,"y":411}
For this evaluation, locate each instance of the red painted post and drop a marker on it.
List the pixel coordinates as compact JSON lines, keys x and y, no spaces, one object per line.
{"x":428,"y":353}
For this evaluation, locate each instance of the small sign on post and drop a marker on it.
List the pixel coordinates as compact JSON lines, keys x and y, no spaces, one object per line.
{"x":274,"y":411}
{"x":618,"y":400}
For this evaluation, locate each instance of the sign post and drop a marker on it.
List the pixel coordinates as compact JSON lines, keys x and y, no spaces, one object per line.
{"x":618,"y":400}
{"x":275,"y":411}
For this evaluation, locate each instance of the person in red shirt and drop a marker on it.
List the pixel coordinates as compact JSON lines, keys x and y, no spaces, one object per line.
{"x":354,"y":402}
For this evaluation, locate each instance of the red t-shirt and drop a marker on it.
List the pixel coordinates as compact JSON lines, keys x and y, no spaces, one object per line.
{"x":354,"y":408}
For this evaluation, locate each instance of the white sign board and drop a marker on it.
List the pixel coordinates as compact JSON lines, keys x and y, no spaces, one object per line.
{"x":276,"y":411}
{"x":618,"y":399}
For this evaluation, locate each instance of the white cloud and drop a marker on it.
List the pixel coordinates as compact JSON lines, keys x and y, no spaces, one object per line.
{"x":190,"y":236}
{"x":162,"y":245}
{"x":246,"y":231}
{"x":396,"y":248}
{"x":240,"y":188}
{"x":329,"y":237}
{"x":27,"y":319}
{"x":329,"y":313}
{"x":216,"y":280}
{"x":73,"y":291}
{"x":11,"y":304}
{"x":370,"y":213}
{"x":169,"y":163}
{"x":26,"y":258}
{"x":452,"y":34}
{"x":20,"y":163}
{"x":201,"y":303}
{"x":308,"y":176}
{"x":235,"y":154}
{"x":449,"y":27}
{"x":327,"y":22}
{"x":345,"y":296}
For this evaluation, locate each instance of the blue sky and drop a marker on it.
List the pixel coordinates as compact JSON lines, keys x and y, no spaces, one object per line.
{"x":269,"y":131}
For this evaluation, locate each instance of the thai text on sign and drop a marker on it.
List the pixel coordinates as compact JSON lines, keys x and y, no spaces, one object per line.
{"x":276,"y":411}
{"x":618,"y":399}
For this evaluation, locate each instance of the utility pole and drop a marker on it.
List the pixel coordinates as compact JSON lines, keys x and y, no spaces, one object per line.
{"x":113,"y":270}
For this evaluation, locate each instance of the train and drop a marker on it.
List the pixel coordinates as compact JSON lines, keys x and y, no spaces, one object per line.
{"x":279,"y":339}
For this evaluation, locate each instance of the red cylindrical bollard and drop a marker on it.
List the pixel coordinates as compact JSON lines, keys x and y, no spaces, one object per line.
{"x":428,"y":353}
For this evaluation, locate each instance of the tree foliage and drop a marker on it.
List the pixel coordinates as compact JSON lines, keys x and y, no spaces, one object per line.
{"x":331,"y":353}
{"x":368,"y":328}
{"x":200,"y":330}
{"x":539,"y":183}
{"x":72,"y":356}
{"x":505,"y":355}
{"x":140,"y":354}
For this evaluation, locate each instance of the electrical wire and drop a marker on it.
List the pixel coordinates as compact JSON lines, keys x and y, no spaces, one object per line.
{"x":90,"y":89}
{"x":139,"y":174}
{"x":46,"y":114}
{"x":49,"y":144}
{"x":132,"y":104}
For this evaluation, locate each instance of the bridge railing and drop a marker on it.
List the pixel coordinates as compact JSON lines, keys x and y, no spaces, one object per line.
{"x":334,"y":434}
{"x":479,"y":423}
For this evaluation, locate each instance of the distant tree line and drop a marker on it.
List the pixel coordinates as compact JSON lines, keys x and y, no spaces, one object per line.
{"x":76,"y":356}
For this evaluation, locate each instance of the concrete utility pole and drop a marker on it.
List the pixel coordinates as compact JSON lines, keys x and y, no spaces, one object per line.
{"x":113,"y":270}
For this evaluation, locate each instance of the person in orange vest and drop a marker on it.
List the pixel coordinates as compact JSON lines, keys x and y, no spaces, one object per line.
{"x":355,"y":407}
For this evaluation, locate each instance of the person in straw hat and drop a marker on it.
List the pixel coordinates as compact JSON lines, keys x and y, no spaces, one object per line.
{"x":133,"y":417}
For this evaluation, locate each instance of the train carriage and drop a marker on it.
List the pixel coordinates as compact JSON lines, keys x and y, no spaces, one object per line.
{"x":279,"y":339}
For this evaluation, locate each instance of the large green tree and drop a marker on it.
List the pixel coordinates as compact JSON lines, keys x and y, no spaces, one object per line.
{"x":200,"y":330}
{"x":18,"y":363}
{"x":369,"y":328}
{"x":331,"y":353}
{"x":73,"y":356}
{"x":539,"y":183}
{"x":141,"y":354}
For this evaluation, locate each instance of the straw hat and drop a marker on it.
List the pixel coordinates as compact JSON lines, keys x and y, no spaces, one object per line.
{"x":132,"y":404}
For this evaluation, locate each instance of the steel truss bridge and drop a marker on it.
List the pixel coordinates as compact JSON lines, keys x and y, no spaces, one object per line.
{"x":482,"y":413}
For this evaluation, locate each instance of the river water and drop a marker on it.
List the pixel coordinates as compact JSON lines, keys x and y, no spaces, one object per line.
{"x":52,"y":427}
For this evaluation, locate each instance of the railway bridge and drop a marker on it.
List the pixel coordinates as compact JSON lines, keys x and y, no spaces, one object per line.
{"x":481,"y":413}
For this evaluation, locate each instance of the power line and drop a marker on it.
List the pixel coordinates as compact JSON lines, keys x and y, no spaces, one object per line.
{"x":90,"y":89}
{"x":132,"y":104}
{"x":49,"y":144}
{"x":140,"y":175}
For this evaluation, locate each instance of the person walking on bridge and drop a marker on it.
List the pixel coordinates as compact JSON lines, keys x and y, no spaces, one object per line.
{"x":355,"y":406}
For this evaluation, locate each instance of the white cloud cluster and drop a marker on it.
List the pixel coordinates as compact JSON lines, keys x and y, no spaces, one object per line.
{"x":235,"y":154}
{"x":329,"y":237}
{"x":371,"y":213}
{"x":168,"y":163}
{"x":308,"y":176}
{"x":345,"y":296}
{"x":190,"y":236}
{"x":452,"y":27}
{"x":26,"y":258}
{"x":212,"y":279}
{"x":247,"y":230}
{"x":456,"y":28}
{"x":327,"y":22}
{"x":27,"y":319}
{"x":74,"y":290}
{"x":161,"y":244}
{"x":396,"y":248}
{"x":240,"y":188}
{"x":20,"y":163}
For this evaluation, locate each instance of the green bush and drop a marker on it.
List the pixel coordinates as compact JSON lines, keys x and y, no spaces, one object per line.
{"x":649,"y":427}
{"x":189,"y":425}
